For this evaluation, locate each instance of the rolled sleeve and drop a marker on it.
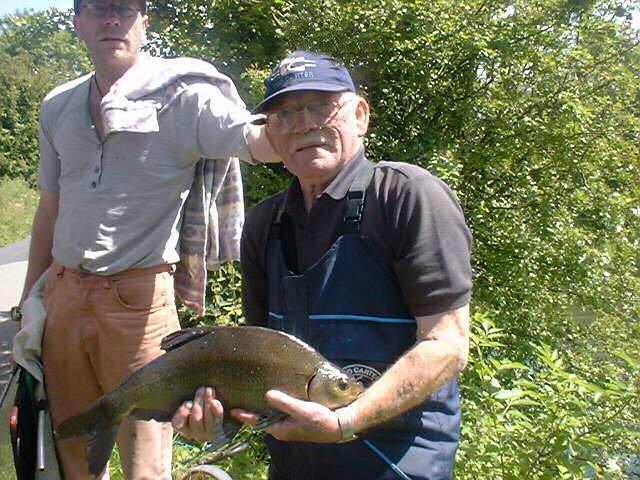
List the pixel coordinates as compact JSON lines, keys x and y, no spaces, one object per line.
{"x":49,"y":169}
{"x":222,"y":125}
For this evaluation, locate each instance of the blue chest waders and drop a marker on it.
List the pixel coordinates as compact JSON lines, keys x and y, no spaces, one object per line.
{"x":349,"y":307}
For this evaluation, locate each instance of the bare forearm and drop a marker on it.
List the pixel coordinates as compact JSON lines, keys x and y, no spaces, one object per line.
{"x":438,"y":356}
{"x":260,"y":145}
{"x":41,"y":241}
{"x":39,"y":260}
{"x":425,"y":368}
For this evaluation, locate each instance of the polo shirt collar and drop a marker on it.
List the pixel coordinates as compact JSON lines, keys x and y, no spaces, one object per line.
{"x":339,"y":186}
{"x":337,"y":189}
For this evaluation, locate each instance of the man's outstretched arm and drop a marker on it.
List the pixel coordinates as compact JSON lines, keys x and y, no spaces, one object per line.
{"x":439,"y":354}
{"x":260,"y":145}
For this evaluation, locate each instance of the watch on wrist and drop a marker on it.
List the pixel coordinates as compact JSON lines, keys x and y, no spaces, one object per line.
{"x":16,"y":314}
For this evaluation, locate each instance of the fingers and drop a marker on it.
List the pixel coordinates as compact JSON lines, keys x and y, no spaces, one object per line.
{"x":213,"y":410}
{"x":199,"y":419}
{"x":307,"y":421}
{"x":287,"y":404}
{"x":245,"y":417}
{"x":206,"y":411}
{"x":196,"y":416}
{"x":181,"y":417}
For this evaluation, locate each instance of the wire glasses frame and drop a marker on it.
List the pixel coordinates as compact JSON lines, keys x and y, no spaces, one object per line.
{"x":320,"y":113}
{"x":99,"y":9}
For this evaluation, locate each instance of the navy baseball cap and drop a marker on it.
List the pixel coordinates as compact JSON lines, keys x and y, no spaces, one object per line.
{"x":303,"y":71}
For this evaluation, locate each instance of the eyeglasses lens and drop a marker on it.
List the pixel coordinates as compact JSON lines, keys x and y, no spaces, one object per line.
{"x":320,"y":113}
{"x":99,"y":10}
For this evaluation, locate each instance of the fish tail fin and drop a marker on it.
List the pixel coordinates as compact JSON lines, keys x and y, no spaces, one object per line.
{"x":85,"y":421}
{"x":101,"y":441}
{"x":101,"y":425}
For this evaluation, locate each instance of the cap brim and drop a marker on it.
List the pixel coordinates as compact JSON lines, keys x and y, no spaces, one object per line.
{"x":311,"y":86}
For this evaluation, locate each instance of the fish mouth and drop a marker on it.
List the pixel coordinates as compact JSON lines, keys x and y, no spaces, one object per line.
{"x":308,"y":387}
{"x":331,"y":388}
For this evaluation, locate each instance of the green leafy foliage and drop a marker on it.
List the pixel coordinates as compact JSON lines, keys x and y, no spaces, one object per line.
{"x":529,"y":111}
{"x":223,"y":299}
{"x":38,"y":51}
{"x":539,"y":419}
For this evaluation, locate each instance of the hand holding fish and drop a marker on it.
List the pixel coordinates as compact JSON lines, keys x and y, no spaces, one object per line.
{"x":306,"y":421}
{"x":199,"y":418}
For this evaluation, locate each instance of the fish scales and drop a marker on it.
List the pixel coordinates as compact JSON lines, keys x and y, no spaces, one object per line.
{"x":236,"y":365}
{"x":241,"y":363}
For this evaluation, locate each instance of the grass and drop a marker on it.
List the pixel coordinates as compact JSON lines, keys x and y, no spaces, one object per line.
{"x":18,"y":204}
{"x":247,"y":465}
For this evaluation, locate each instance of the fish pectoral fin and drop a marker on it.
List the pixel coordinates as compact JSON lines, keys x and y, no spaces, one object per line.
{"x":224,"y":433}
{"x":149,"y":414}
{"x":181,"y":337}
{"x":269,"y":419}
{"x":101,"y":441}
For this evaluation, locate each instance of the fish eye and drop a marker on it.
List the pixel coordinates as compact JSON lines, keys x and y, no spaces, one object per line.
{"x":343,"y":385}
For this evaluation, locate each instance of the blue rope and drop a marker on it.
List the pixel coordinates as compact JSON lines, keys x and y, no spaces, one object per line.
{"x":387,"y":460}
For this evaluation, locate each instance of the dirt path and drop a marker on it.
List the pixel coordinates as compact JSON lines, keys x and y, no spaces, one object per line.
{"x":13,"y":267}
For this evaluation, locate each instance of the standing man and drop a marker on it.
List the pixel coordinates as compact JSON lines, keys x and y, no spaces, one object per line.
{"x":370,"y":264}
{"x":121,"y":149}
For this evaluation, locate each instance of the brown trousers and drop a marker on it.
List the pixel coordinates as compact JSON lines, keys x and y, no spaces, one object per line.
{"x":99,"y":330}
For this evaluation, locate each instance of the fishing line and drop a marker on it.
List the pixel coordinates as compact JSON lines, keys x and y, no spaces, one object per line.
{"x":386,"y":460}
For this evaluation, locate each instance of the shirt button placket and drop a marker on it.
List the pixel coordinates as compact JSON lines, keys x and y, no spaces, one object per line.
{"x":97,"y":170}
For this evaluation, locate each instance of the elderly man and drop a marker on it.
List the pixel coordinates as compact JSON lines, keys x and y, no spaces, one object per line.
{"x":370,"y":264}
{"x":123,"y":150}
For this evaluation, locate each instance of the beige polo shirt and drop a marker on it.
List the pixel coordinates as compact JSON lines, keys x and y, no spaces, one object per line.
{"x":121,"y":199}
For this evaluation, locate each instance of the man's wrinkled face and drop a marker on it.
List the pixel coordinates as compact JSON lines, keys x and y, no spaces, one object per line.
{"x":316,"y":133}
{"x":112,"y":30}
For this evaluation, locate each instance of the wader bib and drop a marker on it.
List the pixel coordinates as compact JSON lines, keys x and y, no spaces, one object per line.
{"x":348,"y":306}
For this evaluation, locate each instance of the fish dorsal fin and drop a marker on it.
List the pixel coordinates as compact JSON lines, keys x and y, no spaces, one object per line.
{"x":181,"y":337}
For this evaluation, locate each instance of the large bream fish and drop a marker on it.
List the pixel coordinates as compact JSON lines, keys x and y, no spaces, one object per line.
{"x":241,"y":363}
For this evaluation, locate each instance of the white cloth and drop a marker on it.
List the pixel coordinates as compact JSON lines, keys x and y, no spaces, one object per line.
{"x":27,"y":347}
{"x":27,"y":344}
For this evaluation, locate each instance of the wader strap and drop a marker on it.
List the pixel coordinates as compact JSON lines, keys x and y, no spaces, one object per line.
{"x":275,"y":232}
{"x":282,"y":229}
{"x":354,"y":205}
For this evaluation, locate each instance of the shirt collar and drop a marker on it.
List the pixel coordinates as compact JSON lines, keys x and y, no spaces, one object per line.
{"x":337,"y":189}
{"x":339,"y":186}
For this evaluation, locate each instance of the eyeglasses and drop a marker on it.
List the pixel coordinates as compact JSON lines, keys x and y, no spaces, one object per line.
{"x":99,"y":10}
{"x":320,"y":113}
